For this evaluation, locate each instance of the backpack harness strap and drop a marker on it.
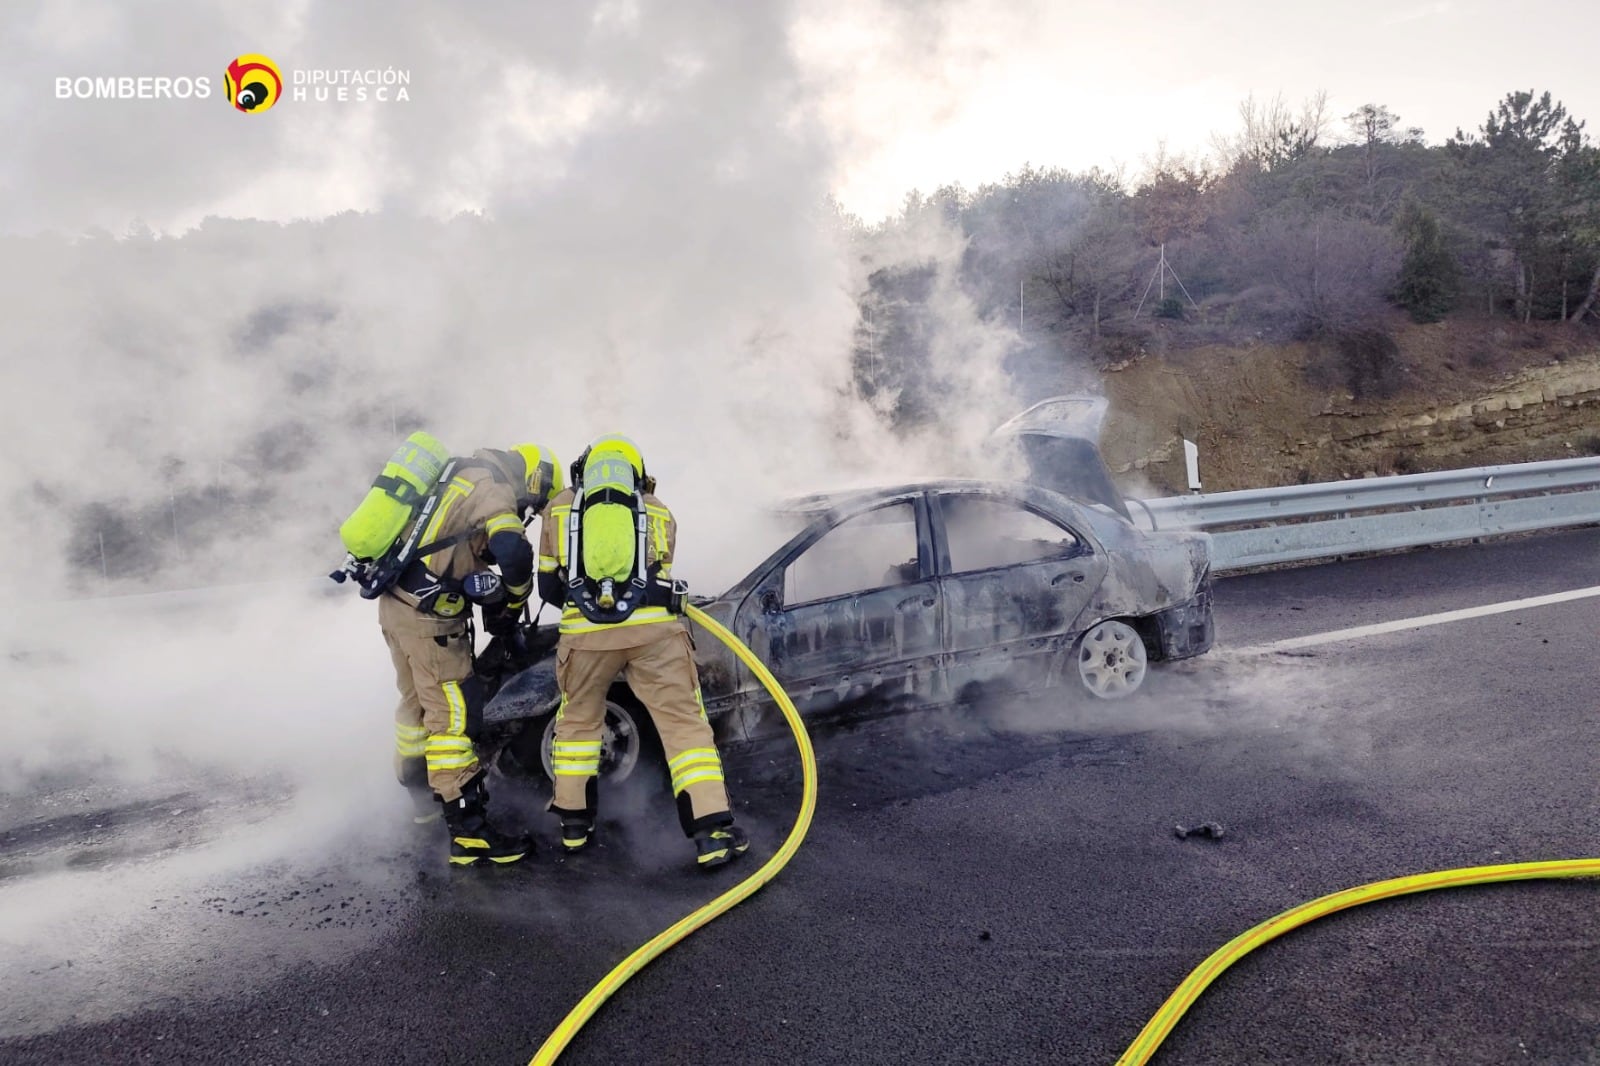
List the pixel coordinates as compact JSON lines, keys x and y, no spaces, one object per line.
{"x":399,"y":488}
{"x":413,"y":577}
{"x":646,"y":587}
{"x":611,"y":495}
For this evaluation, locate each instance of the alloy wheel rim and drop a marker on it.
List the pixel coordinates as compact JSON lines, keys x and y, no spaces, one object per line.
{"x":619,"y":744}
{"x":1111,"y":660}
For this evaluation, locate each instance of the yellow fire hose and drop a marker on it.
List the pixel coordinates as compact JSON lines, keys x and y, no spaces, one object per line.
{"x":575,"y":1019}
{"x":1176,"y":1005}
{"x":1156,"y":1030}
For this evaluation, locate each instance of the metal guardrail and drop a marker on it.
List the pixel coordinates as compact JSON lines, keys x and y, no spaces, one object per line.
{"x":1258,"y":527}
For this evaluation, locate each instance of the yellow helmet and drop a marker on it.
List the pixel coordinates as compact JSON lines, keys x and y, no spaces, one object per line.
{"x":533,"y":457}
{"x":617,"y":444}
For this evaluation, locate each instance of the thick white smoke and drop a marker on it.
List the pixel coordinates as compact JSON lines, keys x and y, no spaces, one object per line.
{"x":585,"y":220}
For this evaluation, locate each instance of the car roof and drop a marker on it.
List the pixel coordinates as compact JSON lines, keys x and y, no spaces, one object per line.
{"x":844,"y":504}
{"x":821,"y":502}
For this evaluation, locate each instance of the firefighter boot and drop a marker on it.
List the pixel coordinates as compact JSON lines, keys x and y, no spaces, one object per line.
{"x":719,"y":844}
{"x":577,"y":832}
{"x":472,"y":838}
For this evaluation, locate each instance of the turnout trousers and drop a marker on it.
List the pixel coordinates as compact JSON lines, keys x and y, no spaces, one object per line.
{"x":440,"y":703}
{"x":662,"y":674}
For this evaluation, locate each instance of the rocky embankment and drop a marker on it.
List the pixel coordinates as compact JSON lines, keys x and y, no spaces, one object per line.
{"x":1259,"y":420}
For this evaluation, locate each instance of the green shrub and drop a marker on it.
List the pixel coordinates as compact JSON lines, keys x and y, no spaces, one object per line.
{"x":1430,"y":278}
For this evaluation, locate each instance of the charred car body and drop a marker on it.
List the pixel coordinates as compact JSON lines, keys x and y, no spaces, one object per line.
{"x":917,"y":593}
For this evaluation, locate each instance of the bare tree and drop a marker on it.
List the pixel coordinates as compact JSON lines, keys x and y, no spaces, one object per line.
{"x":1090,"y":271}
{"x":1171,"y":197}
{"x":1271,"y":134}
{"x":1336,"y":272}
{"x":1373,"y":126}
{"x":1376,"y":132}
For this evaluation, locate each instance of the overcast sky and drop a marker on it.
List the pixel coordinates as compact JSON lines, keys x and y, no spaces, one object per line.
{"x":1081,"y":83}
{"x":902,"y":94}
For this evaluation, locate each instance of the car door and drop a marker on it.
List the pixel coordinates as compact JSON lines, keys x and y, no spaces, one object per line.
{"x":852,"y":618}
{"x":1014,"y":582}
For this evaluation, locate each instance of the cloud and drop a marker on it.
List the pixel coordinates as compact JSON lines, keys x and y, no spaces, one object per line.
{"x":1416,"y":14}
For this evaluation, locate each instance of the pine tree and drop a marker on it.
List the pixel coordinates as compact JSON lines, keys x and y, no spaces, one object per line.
{"x":1429,"y":275}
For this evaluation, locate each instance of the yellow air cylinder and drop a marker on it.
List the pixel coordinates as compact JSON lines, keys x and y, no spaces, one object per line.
{"x":408,"y":476}
{"x":610,"y":538}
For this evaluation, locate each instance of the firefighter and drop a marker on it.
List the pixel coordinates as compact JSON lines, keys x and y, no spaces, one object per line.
{"x":605,"y":554}
{"x":426,"y":616}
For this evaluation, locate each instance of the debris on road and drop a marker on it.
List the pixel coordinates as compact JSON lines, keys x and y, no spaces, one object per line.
{"x":1204,"y":829}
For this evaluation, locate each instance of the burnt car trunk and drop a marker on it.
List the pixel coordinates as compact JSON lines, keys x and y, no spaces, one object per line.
{"x":1072,"y":467}
{"x":1059,"y":441}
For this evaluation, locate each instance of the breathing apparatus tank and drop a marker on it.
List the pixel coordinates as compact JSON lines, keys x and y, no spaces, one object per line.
{"x":406,"y":480}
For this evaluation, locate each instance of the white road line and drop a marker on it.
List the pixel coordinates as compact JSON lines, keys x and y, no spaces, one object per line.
{"x":1430,"y":619}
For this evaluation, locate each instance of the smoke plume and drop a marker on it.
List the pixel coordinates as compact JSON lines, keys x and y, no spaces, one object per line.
{"x":583,"y":220}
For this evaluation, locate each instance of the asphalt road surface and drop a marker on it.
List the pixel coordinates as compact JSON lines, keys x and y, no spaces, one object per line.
{"x":986,"y":884}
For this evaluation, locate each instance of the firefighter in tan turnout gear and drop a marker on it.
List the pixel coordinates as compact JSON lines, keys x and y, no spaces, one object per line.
{"x":474,"y":517}
{"x":605,"y":554}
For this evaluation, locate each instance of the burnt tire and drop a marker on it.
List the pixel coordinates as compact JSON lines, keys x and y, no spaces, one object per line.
{"x":1111,"y":660}
{"x":628,"y":741}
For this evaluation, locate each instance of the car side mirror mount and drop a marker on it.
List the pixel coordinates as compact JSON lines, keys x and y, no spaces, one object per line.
{"x":770,"y":604}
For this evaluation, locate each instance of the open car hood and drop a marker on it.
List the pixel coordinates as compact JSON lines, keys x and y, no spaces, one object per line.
{"x":1059,"y":439}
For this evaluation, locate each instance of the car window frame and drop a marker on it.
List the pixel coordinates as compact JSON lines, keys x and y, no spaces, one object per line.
{"x":927,"y":569}
{"x":945,"y":565}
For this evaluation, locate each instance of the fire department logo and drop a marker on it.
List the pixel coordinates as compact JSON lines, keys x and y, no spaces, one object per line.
{"x":253,"y":83}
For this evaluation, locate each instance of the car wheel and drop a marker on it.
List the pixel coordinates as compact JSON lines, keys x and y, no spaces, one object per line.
{"x":621,"y":741}
{"x":1111,"y":660}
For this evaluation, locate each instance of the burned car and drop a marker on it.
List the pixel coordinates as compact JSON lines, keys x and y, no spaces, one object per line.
{"x":917,"y":594}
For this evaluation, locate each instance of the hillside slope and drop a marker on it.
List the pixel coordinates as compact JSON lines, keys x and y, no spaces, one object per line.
{"x":1470,"y":393}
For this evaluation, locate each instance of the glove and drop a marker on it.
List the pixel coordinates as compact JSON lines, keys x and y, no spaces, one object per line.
{"x":500,"y":621}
